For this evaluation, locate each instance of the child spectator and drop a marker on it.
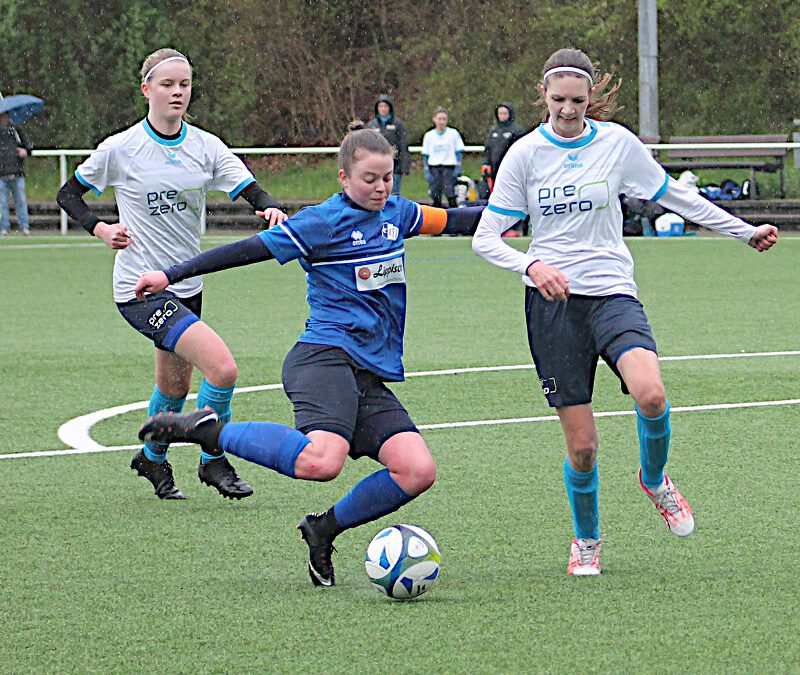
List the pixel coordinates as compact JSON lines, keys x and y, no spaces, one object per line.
{"x":442,"y":148}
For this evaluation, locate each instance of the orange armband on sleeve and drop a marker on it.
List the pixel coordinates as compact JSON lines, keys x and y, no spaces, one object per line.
{"x":434,"y":220}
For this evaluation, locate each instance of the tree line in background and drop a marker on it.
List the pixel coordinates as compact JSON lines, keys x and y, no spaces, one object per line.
{"x":295,"y":72}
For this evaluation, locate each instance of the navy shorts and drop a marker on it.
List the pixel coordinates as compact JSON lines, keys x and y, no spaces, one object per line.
{"x":162,"y":317}
{"x":331,"y":392}
{"x":566,"y":338}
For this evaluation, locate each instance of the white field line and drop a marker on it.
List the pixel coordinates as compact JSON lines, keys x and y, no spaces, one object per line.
{"x":75,"y":432}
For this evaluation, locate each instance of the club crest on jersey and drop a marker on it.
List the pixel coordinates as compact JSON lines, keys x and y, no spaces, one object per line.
{"x":390,"y":232}
{"x":358,"y":238}
{"x":378,"y":275}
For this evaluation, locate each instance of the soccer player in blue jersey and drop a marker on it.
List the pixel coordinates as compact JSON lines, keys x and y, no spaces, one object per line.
{"x":160,"y":169}
{"x":352,"y":249}
{"x":581,"y":297}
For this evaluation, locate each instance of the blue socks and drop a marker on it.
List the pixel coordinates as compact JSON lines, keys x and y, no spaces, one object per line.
{"x":159,"y":403}
{"x":216,"y":398}
{"x":274,"y":446}
{"x":583,"y":490}
{"x":654,"y":435}
{"x":376,"y":495}
{"x":219,"y":400}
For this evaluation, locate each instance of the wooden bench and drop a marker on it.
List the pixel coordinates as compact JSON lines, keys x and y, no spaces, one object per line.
{"x":759,"y":159}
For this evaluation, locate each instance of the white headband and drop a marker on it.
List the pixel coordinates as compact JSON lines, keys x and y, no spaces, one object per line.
{"x":161,"y":63}
{"x":568,"y":69}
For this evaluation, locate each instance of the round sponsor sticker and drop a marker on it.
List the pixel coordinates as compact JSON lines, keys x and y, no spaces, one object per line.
{"x":364,"y":273}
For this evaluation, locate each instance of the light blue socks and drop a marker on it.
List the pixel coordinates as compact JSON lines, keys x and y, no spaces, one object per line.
{"x":159,"y":403}
{"x":583,"y":490}
{"x":654,"y":433}
{"x":219,"y":400}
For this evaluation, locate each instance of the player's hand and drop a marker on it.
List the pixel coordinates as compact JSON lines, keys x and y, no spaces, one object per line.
{"x":151,"y":282}
{"x":549,"y":280}
{"x":272,"y":216}
{"x":765,"y":237}
{"x":114,"y":235}
{"x":22,"y":152}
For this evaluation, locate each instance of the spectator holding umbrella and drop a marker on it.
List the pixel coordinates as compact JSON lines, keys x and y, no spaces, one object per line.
{"x":14,"y":147}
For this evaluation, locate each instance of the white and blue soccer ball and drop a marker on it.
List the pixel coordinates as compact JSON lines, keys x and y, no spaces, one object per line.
{"x":403,"y":561}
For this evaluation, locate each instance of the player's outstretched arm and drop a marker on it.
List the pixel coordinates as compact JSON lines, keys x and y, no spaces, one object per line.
{"x":463,"y":220}
{"x":244,"y":252}
{"x":765,"y":237}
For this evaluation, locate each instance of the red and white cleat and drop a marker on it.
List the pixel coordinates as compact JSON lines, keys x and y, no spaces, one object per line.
{"x":584,"y":558}
{"x":672,"y":506}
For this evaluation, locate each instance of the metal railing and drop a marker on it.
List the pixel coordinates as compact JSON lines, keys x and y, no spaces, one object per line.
{"x":63,"y":154}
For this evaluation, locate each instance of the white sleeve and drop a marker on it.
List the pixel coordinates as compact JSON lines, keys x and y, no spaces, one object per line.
{"x":459,"y":142}
{"x":426,"y":144}
{"x":694,"y":207}
{"x":642,"y":175}
{"x":97,"y":171}
{"x":488,"y":243}
{"x":508,"y":204}
{"x":230,"y":173}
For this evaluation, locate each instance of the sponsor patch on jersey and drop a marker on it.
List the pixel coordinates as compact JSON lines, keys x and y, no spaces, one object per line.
{"x":378,"y":275}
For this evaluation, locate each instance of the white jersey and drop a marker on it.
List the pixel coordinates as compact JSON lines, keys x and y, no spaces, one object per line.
{"x":570,"y":188}
{"x":441,"y":148}
{"x":160,"y":188}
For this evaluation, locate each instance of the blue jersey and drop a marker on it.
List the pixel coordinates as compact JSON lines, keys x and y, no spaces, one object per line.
{"x":355,"y":267}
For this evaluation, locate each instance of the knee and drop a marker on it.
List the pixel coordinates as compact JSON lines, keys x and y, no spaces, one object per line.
{"x":583,"y":455}
{"x":224,"y":372}
{"x":652,"y":401}
{"x":314,"y":463}
{"x":418,"y":478}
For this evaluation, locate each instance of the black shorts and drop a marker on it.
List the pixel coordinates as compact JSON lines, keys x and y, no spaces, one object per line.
{"x":331,"y":392}
{"x":567,"y":337}
{"x":162,"y":317}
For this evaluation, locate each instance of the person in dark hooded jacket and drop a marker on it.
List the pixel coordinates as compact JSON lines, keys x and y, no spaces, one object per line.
{"x":501,"y":136}
{"x":394,"y":131}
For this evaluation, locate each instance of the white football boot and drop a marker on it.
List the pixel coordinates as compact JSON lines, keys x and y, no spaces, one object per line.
{"x":584,"y":558}
{"x":672,"y":506}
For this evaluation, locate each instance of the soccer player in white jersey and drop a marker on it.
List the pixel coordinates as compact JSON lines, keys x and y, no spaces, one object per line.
{"x":581,"y":297}
{"x":160,"y":169}
{"x":353,"y":252}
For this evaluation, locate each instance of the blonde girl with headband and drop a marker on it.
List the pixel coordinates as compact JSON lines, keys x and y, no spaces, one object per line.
{"x":581,"y":299}
{"x":160,"y":169}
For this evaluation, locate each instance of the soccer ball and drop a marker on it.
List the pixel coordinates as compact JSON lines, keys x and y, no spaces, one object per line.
{"x":403,"y":561}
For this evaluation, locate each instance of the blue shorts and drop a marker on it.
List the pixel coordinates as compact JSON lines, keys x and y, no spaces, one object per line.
{"x":162,"y":317}
{"x":566,"y":338}
{"x":331,"y":392}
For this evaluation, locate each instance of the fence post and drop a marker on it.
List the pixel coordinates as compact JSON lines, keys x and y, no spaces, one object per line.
{"x":62,"y":165}
{"x":796,"y":139}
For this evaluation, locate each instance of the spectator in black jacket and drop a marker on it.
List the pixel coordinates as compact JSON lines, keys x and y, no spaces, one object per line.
{"x":394,"y":131}
{"x":499,"y":140}
{"x":14,"y":147}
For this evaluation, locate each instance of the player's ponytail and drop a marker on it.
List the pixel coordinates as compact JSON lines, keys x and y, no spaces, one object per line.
{"x":602,"y":106}
{"x":360,"y":139}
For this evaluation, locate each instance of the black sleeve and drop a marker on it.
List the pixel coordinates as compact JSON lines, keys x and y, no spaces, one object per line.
{"x":259,"y":198}
{"x":244,"y":252}
{"x":25,"y":141}
{"x":70,"y":198}
{"x":463,"y":220}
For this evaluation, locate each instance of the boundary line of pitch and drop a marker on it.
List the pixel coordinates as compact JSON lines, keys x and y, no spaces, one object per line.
{"x":75,"y":432}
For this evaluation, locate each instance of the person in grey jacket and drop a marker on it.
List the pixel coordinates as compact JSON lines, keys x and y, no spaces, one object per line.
{"x":394,"y":131}
{"x":14,"y":147}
